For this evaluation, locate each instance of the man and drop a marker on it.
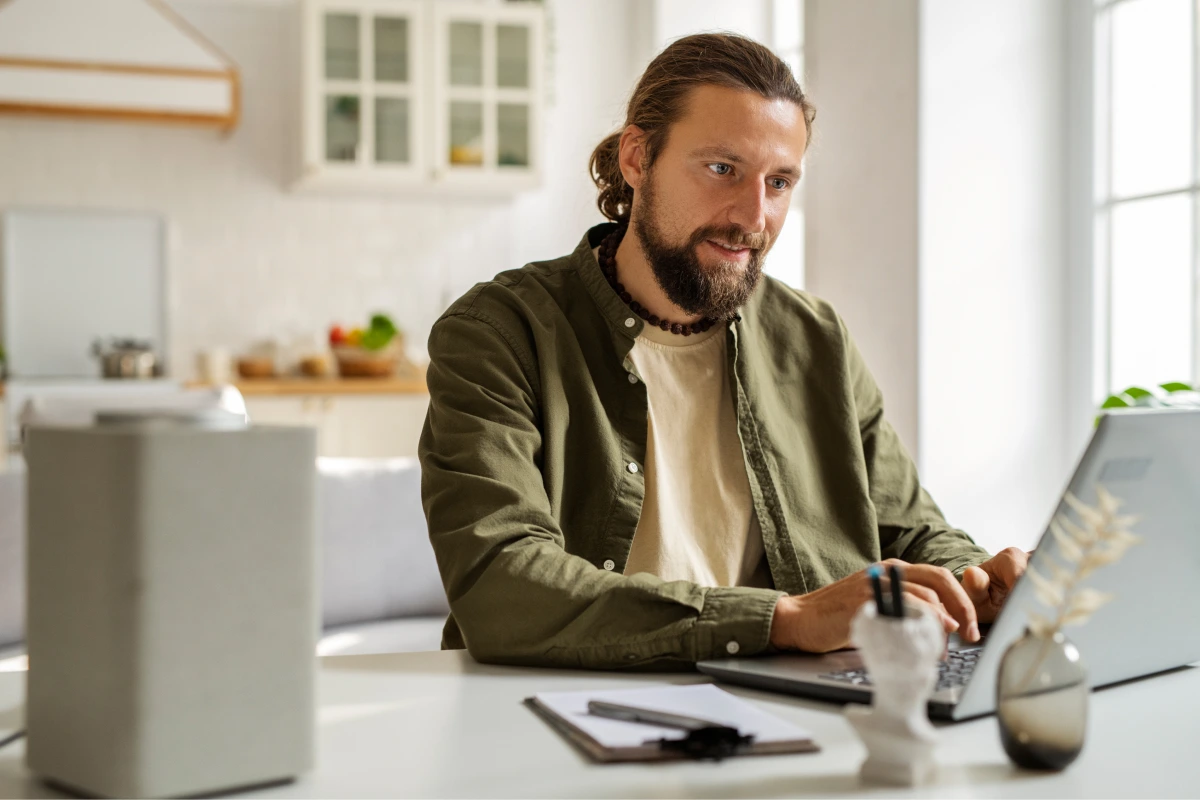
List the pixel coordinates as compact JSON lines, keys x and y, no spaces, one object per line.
{"x":645,"y":453}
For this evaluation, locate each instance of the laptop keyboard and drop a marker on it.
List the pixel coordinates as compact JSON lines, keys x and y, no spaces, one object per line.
{"x":954,"y":672}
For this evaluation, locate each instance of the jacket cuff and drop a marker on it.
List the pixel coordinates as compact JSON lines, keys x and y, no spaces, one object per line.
{"x":959,"y":565}
{"x":735,"y":621}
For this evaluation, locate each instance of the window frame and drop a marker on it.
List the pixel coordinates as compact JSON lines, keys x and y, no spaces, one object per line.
{"x":1102,"y":200}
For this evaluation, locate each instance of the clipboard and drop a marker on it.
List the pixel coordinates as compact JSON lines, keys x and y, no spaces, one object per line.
{"x":607,"y":740}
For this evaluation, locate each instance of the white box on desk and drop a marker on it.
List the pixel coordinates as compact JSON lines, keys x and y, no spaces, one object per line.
{"x":173,"y":611}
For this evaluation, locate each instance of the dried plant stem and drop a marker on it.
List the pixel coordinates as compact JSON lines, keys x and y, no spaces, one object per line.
{"x":1044,"y":650}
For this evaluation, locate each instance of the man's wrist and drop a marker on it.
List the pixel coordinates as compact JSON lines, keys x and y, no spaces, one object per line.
{"x":785,"y":622}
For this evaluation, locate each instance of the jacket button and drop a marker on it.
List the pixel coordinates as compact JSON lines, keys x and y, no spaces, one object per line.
{"x":609,"y":564}
{"x":632,"y":378}
{"x":629,"y":323}
{"x":732,"y":648}
{"x":632,"y":467}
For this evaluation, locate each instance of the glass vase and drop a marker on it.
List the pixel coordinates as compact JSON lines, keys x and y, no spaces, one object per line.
{"x":1042,"y":701}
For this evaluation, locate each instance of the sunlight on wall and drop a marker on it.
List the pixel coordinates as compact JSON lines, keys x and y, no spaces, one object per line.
{"x":786,"y":259}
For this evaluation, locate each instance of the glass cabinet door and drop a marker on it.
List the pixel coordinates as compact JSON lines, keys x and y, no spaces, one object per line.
{"x":488,"y":108}
{"x":466,"y":54}
{"x":512,"y":56}
{"x":512,"y":134}
{"x":341,"y":47}
{"x":393,"y":71}
{"x":466,"y":133}
{"x":392,"y":130}
{"x":341,"y":127}
{"x":391,"y":49}
{"x":369,"y":68}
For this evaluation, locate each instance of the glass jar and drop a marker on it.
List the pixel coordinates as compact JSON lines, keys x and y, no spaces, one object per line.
{"x":1042,"y":701}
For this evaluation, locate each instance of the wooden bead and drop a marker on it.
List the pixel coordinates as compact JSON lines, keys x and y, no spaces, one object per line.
{"x":608,"y":266}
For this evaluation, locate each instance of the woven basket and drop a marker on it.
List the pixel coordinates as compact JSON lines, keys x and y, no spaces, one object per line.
{"x":356,"y":362}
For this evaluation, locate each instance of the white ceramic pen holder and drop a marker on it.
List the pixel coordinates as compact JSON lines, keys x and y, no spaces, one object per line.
{"x":901,"y":657}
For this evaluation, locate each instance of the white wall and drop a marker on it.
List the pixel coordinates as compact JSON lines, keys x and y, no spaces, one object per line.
{"x":937,"y":225}
{"x":993,"y":321}
{"x":676,"y":18}
{"x":249,"y":260}
{"x":861,"y":185}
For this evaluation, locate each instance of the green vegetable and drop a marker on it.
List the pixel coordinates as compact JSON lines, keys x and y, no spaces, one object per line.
{"x":380,"y":333}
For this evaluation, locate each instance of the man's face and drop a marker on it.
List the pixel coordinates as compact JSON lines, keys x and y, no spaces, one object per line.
{"x":710,"y":207}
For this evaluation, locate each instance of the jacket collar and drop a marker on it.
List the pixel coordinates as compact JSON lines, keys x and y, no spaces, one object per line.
{"x":614,"y":309}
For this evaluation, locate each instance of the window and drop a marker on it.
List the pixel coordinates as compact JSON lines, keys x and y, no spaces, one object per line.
{"x":1147,"y":193}
{"x":786,"y":259}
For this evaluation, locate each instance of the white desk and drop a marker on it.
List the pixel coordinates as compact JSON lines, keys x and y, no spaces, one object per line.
{"x":439,"y":725}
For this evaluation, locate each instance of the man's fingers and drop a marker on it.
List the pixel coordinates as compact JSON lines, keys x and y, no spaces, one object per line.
{"x":951,"y":594}
{"x":975,"y":583}
{"x":921,"y":592}
{"x":1008,"y":565}
{"x":949,"y":623}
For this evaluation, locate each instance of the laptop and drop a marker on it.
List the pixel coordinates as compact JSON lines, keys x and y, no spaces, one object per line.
{"x":1150,"y":460}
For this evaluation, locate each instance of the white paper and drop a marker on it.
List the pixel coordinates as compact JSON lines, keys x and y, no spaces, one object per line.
{"x":703,"y":701}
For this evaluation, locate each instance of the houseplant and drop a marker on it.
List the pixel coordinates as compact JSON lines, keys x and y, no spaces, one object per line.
{"x":1042,"y":689}
{"x":1166,"y":395}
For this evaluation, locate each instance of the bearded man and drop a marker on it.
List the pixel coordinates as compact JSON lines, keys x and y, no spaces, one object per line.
{"x":648,"y":453}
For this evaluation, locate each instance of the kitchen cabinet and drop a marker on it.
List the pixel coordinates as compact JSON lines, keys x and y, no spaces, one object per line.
{"x":417,"y":96}
{"x":349,"y":426}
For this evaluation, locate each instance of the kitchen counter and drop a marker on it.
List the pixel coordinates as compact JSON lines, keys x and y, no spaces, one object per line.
{"x":267,"y":387}
{"x":318,"y":386}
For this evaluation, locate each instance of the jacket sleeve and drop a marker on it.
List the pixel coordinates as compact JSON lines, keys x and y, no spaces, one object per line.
{"x":515,"y":593}
{"x":911,"y":526}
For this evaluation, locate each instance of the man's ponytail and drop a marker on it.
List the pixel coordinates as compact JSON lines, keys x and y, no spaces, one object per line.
{"x":616,"y":196}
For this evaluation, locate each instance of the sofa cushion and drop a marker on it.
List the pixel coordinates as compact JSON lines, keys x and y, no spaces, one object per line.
{"x":389,"y":636}
{"x":376,"y":559}
{"x":12,"y":554}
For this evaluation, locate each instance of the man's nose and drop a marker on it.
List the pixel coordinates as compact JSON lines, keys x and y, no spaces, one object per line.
{"x":749,"y":209}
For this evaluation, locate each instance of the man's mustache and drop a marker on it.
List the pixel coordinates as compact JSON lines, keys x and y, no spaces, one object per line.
{"x":732,"y":235}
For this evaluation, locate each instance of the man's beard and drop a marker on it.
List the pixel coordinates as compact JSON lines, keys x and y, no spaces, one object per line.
{"x":716,"y":292}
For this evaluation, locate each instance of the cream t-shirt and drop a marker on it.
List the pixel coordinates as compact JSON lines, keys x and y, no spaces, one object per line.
{"x":698,"y":522}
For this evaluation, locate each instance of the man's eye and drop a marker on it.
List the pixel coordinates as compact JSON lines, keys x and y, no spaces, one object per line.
{"x":779,"y":183}
{"x":720,"y":169}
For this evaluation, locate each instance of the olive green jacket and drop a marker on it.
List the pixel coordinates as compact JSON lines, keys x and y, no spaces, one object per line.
{"x":532,"y":477}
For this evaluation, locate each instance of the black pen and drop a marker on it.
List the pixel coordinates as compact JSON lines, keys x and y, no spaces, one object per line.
{"x":897,"y":597}
{"x":875,"y":572}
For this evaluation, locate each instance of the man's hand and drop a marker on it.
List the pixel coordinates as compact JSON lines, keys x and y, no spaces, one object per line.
{"x":819,"y":621}
{"x":988,"y":584}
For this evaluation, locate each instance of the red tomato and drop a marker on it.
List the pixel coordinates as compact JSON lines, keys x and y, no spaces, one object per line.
{"x":337,"y":335}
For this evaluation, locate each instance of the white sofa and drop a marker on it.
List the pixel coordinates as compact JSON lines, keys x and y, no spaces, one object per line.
{"x":380,"y":587}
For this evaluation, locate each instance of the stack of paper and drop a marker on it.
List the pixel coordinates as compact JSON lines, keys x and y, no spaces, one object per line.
{"x":614,"y":740}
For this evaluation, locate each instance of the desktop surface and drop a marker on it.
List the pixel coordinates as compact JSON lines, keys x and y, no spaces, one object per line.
{"x":437,"y":724}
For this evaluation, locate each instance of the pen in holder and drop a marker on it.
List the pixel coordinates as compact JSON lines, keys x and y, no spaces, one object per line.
{"x":900,"y":648}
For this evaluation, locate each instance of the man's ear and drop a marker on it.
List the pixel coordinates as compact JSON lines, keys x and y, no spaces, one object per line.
{"x":632,"y":155}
